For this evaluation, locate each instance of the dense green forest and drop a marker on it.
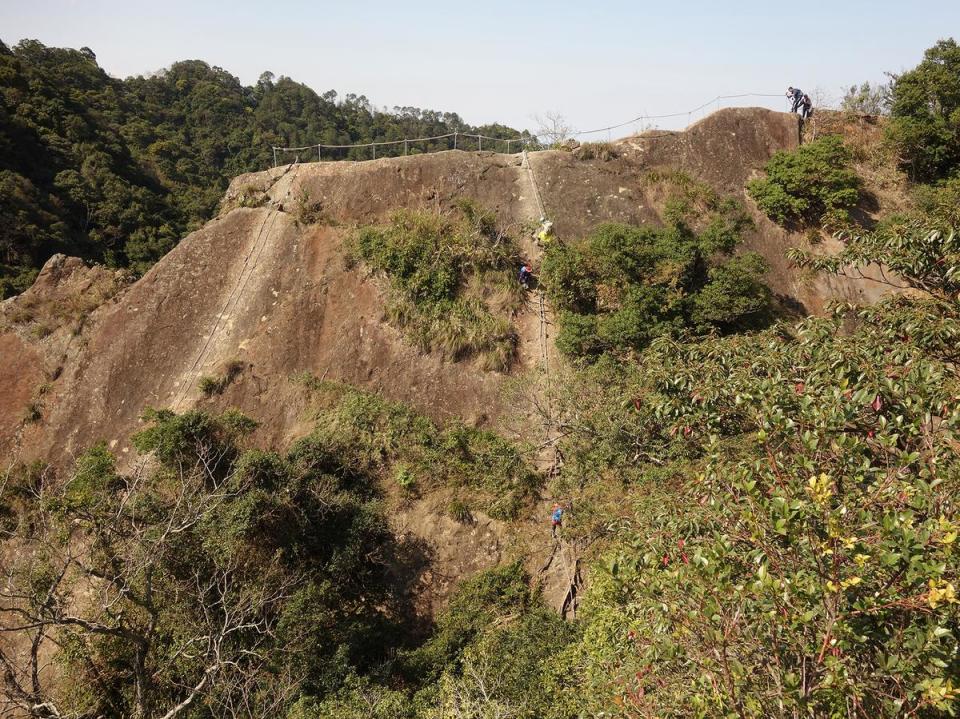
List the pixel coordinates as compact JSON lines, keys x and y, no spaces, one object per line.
{"x":117,"y":171}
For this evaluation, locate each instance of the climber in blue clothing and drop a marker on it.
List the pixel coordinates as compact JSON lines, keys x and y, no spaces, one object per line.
{"x":556,"y":519}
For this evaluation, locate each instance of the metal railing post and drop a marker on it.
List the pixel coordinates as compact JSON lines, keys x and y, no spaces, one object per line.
{"x":274,"y":157}
{"x":404,"y":147}
{"x":374,"y":146}
{"x":479,"y":143}
{"x":454,"y":140}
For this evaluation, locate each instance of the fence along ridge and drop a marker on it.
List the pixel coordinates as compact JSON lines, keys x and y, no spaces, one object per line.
{"x":523,"y":140}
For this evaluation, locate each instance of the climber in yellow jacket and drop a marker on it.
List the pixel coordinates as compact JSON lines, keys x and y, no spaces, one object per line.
{"x":545,"y":233}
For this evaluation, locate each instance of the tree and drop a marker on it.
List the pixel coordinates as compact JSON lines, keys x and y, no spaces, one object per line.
{"x":101,"y":577}
{"x":813,"y":184}
{"x":552,"y":128}
{"x":919,"y":256}
{"x":624,"y":286}
{"x":925,"y":114}
{"x":225,"y":579}
{"x":867,"y":99}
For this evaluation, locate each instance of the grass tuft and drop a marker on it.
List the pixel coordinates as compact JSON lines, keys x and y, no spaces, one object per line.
{"x":604,"y":151}
{"x":210,"y":386}
{"x":452,"y":281}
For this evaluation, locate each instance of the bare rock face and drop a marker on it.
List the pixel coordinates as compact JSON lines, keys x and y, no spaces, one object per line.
{"x":39,"y":334}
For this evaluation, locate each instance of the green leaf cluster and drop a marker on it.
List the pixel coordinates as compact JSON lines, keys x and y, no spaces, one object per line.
{"x":925,"y":114}
{"x":811,"y":185}
{"x":624,"y":286}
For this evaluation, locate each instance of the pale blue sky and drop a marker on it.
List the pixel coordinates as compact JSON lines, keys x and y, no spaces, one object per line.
{"x":597,"y":63}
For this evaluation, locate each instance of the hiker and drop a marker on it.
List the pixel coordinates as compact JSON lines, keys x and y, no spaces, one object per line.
{"x":545,"y":234}
{"x":556,"y":519}
{"x":795,"y":94}
{"x":526,"y":274}
{"x":807,"y":106}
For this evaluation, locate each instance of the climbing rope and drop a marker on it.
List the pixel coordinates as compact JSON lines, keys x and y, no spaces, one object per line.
{"x":543,"y":336}
{"x":536,"y":189}
{"x":232,"y":299}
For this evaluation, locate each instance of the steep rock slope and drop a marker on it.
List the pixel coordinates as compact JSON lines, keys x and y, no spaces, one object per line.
{"x":272,"y":296}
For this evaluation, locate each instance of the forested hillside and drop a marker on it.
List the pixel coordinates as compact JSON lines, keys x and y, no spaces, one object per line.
{"x":117,"y":171}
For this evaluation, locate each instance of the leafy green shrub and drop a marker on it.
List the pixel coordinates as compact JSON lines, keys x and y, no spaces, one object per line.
{"x":478,"y":602}
{"x":210,"y":385}
{"x":812,"y":184}
{"x":176,"y":438}
{"x":578,"y":335}
{"x":371,"y":434}
{"x":443,"y":271}
{"x":735,"y":292}
{"x":624,"y":286}
{"x":490,"y":651}
{"x":503,"y":670}
{"x":406,"y":479}
{"x":925,"y":114}
{"x":940,"y":202}
{"x":359,"y":697}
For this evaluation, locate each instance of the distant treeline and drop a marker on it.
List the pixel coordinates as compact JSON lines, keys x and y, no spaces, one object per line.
{"x":118,"y":171}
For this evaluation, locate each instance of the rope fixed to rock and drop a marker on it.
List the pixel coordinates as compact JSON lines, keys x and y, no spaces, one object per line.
{"x":521,"y":140}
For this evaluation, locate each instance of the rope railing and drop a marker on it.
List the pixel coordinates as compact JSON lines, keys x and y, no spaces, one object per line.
{"x":522,"y":141}
{"x":407,"y":142}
